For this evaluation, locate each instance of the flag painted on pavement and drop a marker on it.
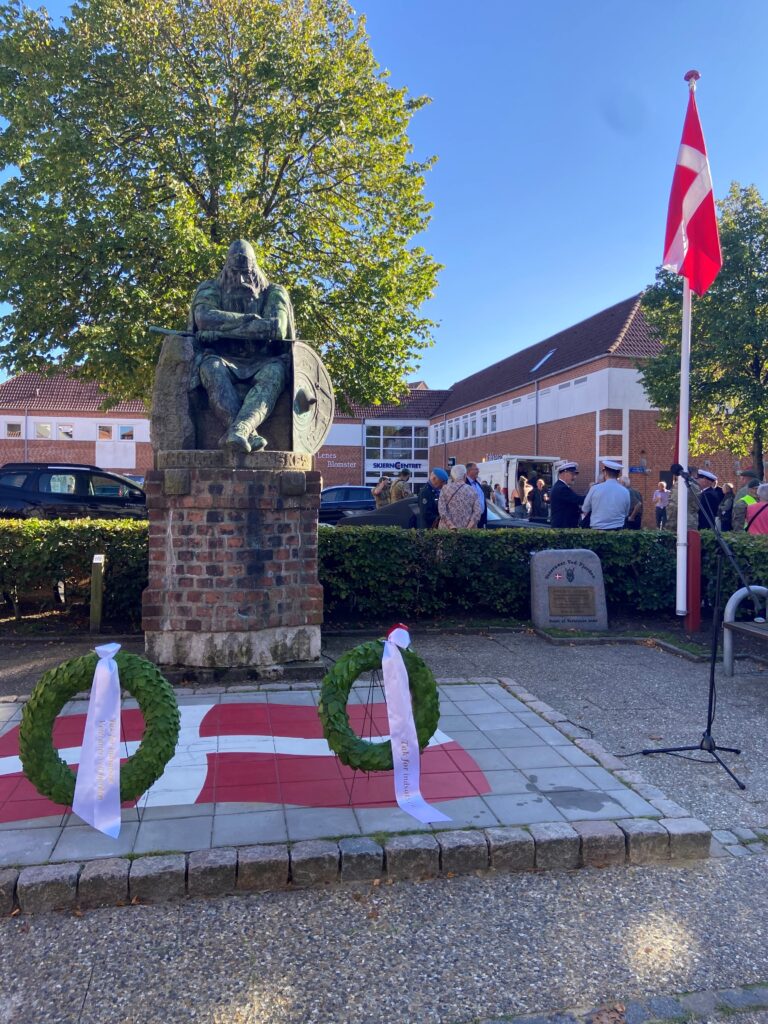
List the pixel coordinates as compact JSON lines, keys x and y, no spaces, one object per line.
{"x":252,"y":753}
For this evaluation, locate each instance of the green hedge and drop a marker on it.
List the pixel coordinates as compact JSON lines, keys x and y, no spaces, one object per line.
{"x":379,"y":573}
{"x":369,"y":573}
{"x":35,"y":554}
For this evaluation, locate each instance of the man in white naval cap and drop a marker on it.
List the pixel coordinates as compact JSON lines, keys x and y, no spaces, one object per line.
{"x":564,"y":502}
{"x":608,"y":503}
{"x":710,"y":497}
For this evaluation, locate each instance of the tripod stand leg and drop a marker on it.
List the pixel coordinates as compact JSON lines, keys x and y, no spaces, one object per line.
{"x":722,"y":764}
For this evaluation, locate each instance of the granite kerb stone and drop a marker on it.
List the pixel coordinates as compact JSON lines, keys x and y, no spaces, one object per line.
{"x":212,"y":872}
{"x":103,"y":883}
{"x":463,"y":851}
{"x":412,"y":856}
{"x":8,"y":880}
{"x":156,"y":878}
{"x":362,"y":859}
{"x":265,"y":866}
{"x":558,"y":845}
{"x":315,"y":862}
{"x":49,"y":887}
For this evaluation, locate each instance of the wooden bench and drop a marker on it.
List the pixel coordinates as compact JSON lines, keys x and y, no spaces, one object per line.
{"x":731,"y":627}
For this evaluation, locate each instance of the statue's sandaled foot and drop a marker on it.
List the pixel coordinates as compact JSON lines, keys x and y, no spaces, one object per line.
{"x":257,"y":442}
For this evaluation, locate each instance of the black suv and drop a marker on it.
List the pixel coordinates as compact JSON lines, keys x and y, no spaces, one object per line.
{"x":47,"y":490}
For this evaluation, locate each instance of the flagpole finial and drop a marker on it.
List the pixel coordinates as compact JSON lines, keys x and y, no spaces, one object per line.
{"x":692,"y":77}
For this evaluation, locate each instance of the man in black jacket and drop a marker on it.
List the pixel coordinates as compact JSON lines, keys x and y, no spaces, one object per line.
{"x":709,"y":498}
{"x":564,"y":502}
{"x":428,"y":497}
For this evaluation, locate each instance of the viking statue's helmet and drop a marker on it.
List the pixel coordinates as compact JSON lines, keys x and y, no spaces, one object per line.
{"x":241,"y":256}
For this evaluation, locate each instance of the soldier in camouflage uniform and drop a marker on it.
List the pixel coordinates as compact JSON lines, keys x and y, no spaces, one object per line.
{"x":400,"y":488}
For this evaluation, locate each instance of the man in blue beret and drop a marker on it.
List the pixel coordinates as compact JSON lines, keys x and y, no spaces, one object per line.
{"x":427,"y":515}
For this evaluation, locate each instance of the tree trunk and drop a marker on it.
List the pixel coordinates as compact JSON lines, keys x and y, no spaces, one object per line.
{"x":757,"y":448}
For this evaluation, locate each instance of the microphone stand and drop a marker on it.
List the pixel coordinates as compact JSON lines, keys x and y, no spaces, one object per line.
{"x":707,"y":742}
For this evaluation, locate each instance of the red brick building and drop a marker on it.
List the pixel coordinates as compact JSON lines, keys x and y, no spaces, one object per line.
{"x":47,"y":419}
{"x":576,"y":395}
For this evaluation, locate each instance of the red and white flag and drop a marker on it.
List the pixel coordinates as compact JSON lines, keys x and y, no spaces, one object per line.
{"x":252,"y":753}
{"x":692,"y":243}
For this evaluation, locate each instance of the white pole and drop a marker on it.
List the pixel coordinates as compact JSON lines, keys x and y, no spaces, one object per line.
{"x":682,"y":453}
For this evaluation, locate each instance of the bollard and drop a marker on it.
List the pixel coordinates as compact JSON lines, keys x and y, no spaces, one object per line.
{"x":97,"y":592}
{"x":693,"y":618}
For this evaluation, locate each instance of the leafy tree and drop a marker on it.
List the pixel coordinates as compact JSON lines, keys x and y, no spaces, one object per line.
{"x":143,"y":136}
{"x":729,"y":338}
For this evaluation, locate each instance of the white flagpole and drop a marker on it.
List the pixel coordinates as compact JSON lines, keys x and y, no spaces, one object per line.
{"x":682,"y":453}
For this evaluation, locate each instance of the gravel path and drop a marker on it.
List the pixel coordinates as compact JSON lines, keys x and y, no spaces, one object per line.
{"x":443,"y":952}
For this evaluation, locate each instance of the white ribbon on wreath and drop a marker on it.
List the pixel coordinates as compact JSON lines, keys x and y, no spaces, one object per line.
{"x":406,"y":756}
{"x":97,"y":788}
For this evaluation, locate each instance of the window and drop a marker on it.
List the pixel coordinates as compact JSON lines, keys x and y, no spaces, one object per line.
{"x":43,"y":431}
{"x":545,"y":391}
{"x":562,"y":387}
{"x":484,"y":423}
{"x":104,"y":432}
{"x":442,"y":433}
{"x":64,"y":432}
{"x":579,"y":380}
{"x":516,"y":401}
{"x":450,"y":431}
{"x":473,"y":425}
{"x":56,"y":483}
{"x":110,"y":487}
{"x":13,"y":430}
{"x":13,"y":480}
{"x":125,"y":433}
{"x":398,"y":442}
{"x":492,"y":417}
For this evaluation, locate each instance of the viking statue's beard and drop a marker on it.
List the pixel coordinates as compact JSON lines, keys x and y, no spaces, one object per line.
{"x":241,"y":299}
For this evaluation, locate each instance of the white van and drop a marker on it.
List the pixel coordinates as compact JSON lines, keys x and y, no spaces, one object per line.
{"x":508,"y":469}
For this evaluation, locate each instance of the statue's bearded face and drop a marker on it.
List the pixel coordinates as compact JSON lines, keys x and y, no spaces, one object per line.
{"x":240,"y":272}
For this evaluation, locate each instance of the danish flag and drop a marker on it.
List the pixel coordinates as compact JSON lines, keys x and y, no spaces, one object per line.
{"x":692,"y":243}
{"x":254,"y":753}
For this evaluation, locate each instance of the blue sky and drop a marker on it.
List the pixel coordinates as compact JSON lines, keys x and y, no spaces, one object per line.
{"x":556,"y":127}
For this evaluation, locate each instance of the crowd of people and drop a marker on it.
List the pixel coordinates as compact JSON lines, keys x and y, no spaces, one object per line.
{"x":458,"y":500}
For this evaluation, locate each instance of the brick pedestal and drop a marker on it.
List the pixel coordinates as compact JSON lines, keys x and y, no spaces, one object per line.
{"x":232,"y":560}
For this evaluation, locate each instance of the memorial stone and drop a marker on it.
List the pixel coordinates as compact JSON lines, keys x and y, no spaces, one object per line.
{"x":567,"y":590}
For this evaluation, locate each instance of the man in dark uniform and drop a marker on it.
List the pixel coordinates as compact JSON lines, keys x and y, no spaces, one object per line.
{"x":709,"y":498}
{"x":428,"y":497}
{"x":564,"y":502}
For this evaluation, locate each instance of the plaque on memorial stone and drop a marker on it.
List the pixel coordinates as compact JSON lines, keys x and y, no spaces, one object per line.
{"x":567,"y":590}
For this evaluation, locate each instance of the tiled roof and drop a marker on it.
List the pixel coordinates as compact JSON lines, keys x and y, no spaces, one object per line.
{"x":419,"y":404}
{"x":61,"y":391}
{"x":620,"y":330}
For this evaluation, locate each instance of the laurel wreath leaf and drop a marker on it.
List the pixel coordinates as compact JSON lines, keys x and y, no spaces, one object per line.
{"x":50,"y":774}
{"x":351,"y":749}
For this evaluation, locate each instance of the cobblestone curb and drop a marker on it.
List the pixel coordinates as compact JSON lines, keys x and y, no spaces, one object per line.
{"x":549,"y":846}
{"x":705,"y":1007}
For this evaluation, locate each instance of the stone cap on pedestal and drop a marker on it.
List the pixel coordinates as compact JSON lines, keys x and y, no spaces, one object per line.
{"x":229,"y":459}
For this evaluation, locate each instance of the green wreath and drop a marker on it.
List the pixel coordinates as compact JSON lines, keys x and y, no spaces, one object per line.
{"x":351,"y":749}
{"x":52,"y":776}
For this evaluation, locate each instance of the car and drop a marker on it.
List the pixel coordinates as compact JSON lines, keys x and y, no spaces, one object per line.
{"x":336,"y":501}
{"x":404,"y":513}
{"x":62,"y":490}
